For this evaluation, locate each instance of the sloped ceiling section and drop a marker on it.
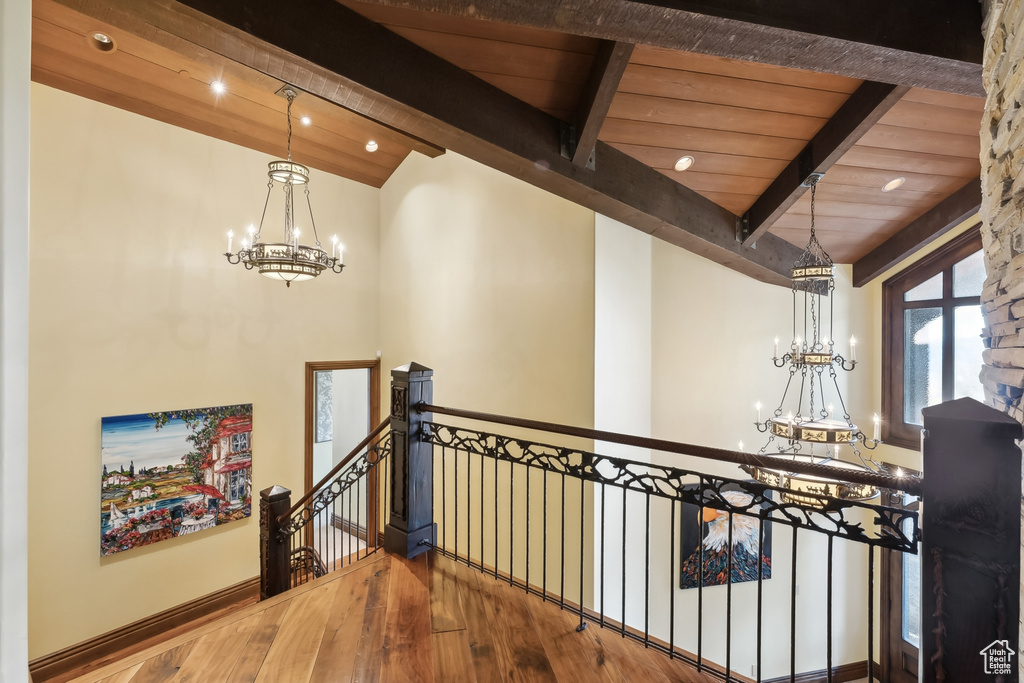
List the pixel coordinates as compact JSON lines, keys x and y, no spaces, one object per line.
{"x":585,"y":104}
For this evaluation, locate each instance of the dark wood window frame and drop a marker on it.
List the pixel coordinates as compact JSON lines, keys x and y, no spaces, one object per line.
{"x":894,"y":430}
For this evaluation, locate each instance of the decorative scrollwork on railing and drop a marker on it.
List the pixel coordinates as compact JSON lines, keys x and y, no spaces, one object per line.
{"x":834,"y":517}
{"x":349,"y":477}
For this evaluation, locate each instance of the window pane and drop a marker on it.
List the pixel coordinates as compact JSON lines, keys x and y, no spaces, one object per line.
{"x":969,"y":275}
{"x":922,"y":361}
{"x":929,"y":289}
{"x":967,"y":348}
{"x":911,"y":593}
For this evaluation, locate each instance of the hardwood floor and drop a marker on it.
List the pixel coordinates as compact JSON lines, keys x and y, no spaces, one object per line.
{"x":389,"y":619}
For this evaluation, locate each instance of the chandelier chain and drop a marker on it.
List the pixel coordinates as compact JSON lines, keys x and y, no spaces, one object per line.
{"x":291,"y":98}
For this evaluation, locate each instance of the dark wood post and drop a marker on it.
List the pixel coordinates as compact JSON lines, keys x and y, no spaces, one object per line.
{"x":410,"y":529}
{"x":970,"y":547}
{"x":275,"y":570}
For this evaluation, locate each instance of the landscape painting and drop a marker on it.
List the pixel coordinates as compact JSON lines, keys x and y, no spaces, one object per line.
{"x":709,"y":566}
{"x":173,"y":473}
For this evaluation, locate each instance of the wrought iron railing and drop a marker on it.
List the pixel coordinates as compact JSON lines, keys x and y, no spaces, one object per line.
{"x":603,"y":538}
{"x":339,"y":521}
{"x":636,"y":545}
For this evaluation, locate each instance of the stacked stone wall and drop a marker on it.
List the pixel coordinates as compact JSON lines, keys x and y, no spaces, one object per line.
{"x":1002,"y":211}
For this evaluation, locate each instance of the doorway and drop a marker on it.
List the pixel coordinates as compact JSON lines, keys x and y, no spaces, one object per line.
{"x":900,"y":632}
{"x":342,"y":407}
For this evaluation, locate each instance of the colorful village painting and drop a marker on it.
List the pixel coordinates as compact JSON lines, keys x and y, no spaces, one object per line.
{"x":173,"y":473}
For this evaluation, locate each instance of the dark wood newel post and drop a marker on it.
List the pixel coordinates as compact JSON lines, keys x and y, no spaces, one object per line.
{"x":970,"y":546}
{"x":275,"y":573}
{"x":410,"y":529}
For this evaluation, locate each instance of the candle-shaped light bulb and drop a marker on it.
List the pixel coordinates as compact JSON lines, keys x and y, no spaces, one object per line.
{"x":295,"y":239}
{"x":334,"y":249}
{"x":790,"y":416}
{"x":853,"y":348}
{"x":245,"y":244}
{"x":231,"y":236}
{"x":831,"y":412}
{"x":878,"y":426}
{"x":758,"y":407}
{"x":775,"y":353}
{"x":798,"y":344}
{"x":741,"y":445}
{"x":899,"y":471}
{"x":252,"y":234}
{"x":341,"y":253}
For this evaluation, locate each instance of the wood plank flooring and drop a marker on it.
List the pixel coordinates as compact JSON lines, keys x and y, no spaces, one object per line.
{"x":388,"y":619}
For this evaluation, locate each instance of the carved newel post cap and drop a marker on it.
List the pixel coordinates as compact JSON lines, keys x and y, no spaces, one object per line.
{"x":274,"y":493}
{"x":970,"y":414}
{"x":413,"y":369}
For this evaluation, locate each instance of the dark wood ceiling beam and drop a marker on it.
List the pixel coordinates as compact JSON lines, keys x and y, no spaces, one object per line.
{"x":328,"y":50}
{"x":599,"y":90}
{"x":935,"y":44}
{"x":943,"y":217}
{"x":858,"y":114}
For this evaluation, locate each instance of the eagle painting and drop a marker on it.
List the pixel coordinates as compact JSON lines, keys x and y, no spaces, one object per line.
{"x":714,"y":529}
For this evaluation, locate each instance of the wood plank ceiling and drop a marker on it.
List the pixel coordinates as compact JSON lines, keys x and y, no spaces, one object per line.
{"x":151,"y":80}
{"x":743,"y":123}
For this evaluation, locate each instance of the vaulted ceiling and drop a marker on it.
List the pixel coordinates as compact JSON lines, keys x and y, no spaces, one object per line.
{"x":595,"y":101}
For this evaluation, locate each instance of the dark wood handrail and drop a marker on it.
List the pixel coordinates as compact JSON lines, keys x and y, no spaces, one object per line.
{"x":335,"y":470}
{"x":907,"y":483}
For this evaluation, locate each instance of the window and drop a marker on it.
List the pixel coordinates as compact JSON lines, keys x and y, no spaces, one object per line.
{"x":240,"y":442}
{"x":931,"y":337}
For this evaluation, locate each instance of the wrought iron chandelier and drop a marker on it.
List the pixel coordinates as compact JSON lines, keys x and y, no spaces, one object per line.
{"x":812,"y":428}
{"x":289,"y":260}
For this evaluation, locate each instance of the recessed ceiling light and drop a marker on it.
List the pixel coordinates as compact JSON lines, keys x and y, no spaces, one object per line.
{"x":101,"y":41}
{"x":893,"y":184}
{"x":306,"y":120}
{"x":218,"y":87}
{"x":371,"y":146}
{"x":683,"y":163}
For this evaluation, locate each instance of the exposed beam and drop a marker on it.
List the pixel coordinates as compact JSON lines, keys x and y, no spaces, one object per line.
{"x":943,"y":217}
{"x":605,"y":73}
{"x":330,"y":51}
{"x":935,"y":44}
{"x":862,"y":110}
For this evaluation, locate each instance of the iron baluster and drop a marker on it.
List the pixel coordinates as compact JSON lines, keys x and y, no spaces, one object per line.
{"x":828,"y":615}
{"x":511,"y":520}
{"x":871,"y":614}
{"x":604,"y":549}
{"x":728,"y":606}
{"x":647,"y":572}
{"x":544,"y":575}
{"x":672,"y":581}
{"x":700,"y":587}
{"x":528,"y":529}
{"x":760,"y":589}
{"x":792,"y":615}
{"x":583,"y":498}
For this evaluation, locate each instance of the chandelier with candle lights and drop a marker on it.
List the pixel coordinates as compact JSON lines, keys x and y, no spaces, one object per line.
{"x":288,"y":260}
{"x":812,"y":422}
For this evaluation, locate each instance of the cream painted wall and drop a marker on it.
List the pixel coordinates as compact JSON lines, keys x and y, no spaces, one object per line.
{"x":134,"y":309}
{"x":712,"y":337}
{"x":15,"y":38}
{"x":622,"y":403}
{"x":490,"y":282}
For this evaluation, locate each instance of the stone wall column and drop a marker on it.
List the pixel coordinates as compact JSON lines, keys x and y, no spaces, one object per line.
{"x":1002,"y":210}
